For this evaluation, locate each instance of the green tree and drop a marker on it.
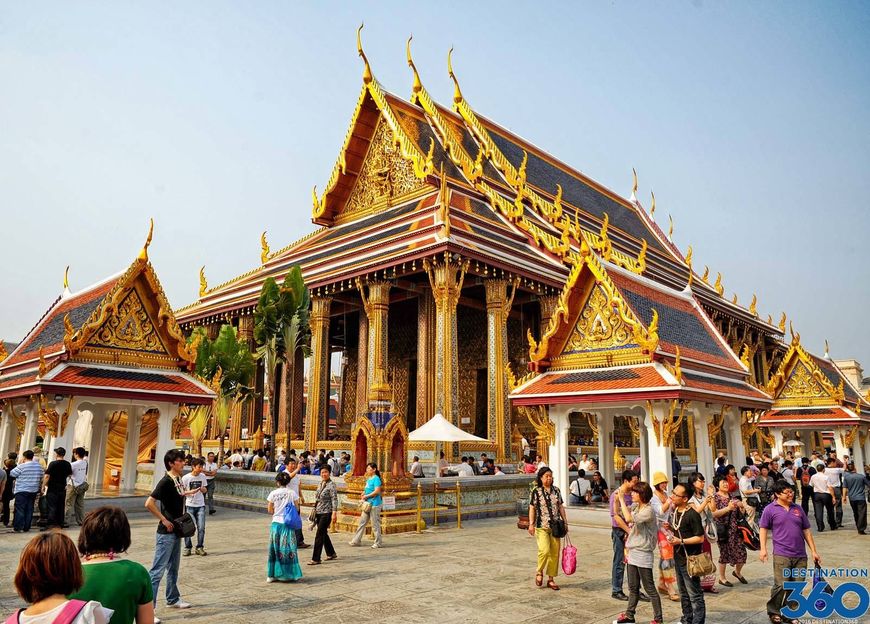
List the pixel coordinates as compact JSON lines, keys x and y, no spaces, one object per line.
{"x":227,"y":364}
{"x":281,"y":330}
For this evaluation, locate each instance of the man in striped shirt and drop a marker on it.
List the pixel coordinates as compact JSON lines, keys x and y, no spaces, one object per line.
{"x":28,"y":481}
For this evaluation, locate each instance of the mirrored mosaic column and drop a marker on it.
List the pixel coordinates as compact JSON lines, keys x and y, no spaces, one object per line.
{"x":362,"y":371}
{"x":425,"y":357}
{"x":316,"y":412}
{"x":498,"y":306}
{"x":377,"y":307}
{"x":446,"y":276}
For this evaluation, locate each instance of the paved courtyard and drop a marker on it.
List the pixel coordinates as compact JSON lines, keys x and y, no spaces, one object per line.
{"x":480,"y":573}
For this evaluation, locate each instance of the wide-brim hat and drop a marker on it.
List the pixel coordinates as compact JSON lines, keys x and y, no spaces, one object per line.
{"x":659,"y":477}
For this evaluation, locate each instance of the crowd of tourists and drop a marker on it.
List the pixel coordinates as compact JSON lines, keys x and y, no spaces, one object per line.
{"x":263,"y":460}
{"x":735,"y":512}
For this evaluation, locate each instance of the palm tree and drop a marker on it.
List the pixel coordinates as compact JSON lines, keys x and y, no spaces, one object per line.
{"x":227,"y":365}
{"x":281,"y":330}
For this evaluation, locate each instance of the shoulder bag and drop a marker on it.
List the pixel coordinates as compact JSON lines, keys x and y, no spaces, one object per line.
{"x":558,"y":528}
{"x":312,"y":515}
{"x":184,"y":525}
{"x":696,"y":565}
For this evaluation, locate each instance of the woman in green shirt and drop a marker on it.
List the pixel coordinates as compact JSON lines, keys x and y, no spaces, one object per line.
{"x":117,"y":583}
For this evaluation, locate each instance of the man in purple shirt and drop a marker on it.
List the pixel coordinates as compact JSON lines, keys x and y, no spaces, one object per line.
{"x":619,"y":533}
{"x":791,"y":529}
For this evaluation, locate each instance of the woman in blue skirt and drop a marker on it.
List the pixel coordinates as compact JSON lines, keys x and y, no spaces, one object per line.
{"x":283,"y":563}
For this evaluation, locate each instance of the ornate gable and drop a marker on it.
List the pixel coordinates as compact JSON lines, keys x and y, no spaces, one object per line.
{"x":593,"y":324}
{"x":132,"y":325}
{"x":800,"y":383}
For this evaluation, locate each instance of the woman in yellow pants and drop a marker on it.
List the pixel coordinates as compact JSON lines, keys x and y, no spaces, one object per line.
{"x":546,"y":504}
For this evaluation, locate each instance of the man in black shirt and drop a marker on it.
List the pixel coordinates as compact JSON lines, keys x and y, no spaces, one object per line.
{"x":687,"y":539}
{"x":56,"y":475}
{"x":803,"y":476}
{"x":170,"y":493}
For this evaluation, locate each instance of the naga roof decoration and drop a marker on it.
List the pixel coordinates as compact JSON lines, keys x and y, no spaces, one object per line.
{"x":124,"y":320}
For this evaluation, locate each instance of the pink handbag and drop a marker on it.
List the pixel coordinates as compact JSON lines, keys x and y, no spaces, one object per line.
{"x":569,"y":557}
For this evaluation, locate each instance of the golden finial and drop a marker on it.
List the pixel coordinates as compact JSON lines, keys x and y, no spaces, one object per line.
{"x":782,"y":322}
{"x":43,"y":367}
{"x":827,"y":349}
{"x":791,"y":330}
{"x":706,"y":275}
{"x":203,"y":285}
{"x":689,"y":253}
{"x":718,"y":285}
{"x":68,"y":329}
{"x":444,"y":198}
{"x":752,"y":304}
{"x":770,"y":319}
{"x":633,"y":184}
{"x":678,"y":371}
{"x":66,"y":278}
{"x":641,"y":257}
{"x":457,"y":93}
{"x":264,"y":248}
{"x":143,"y":255}
{"x":652,"y":207}
{"x":418,"y":85}
{"x":671,"y":228}
{"x":734,"y":299}
{"x":367,"y":71}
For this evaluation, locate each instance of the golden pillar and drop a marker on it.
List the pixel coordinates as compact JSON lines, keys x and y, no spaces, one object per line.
{"x":246,"y":333}
{"x":297,"y":404}
{"x":425,"y":358}
{"x":317,"y":408}
{"x":362,"y":366}
{"x":446,"y":277}
{"x":548,"y":308}
{"x":498,"y":306}
{"x":377,"y":306}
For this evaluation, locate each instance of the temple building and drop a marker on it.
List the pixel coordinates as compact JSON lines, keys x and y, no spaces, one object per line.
{"x":458,"y":269}
{"x":106,"y":368}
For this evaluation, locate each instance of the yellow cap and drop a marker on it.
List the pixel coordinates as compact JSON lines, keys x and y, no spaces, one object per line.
{"x":659,"y":477}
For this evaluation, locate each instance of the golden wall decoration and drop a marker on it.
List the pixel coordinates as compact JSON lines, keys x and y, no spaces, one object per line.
{"x":599,"y":326}
{"x":803,"y":385}
{"x":129,"y":328}
{"x":385,"y":175}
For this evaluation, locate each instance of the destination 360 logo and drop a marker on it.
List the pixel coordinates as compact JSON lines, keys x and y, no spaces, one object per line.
{"x":825,"y":601}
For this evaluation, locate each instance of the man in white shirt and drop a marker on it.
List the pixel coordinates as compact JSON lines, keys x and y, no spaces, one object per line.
{"x":539,"y":462}
{"x":236,"y":457}
{"x":835,"y":480}
{"x":195,"y":486}
{"x":749,"y":492}
{"x":210,"y":469}
{"x":75,"y":495}
{"x":464,"y":469}
{"x":823,"y":499}
{"x":788,"y":471}
{"x":579,"y":489}
{"x":583,"y":464}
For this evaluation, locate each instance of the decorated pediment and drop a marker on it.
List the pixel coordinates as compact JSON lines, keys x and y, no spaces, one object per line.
{"x":132,"y":325}
{"x":593,"y":324}
{"x":800,"y":382}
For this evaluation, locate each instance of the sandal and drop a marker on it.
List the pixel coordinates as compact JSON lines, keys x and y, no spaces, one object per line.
{"x":332,"y":558}
{"x":539,"y":579}
{"x":552,"y":585}
{"x":313,"y":562}
{"x":740,"y":578}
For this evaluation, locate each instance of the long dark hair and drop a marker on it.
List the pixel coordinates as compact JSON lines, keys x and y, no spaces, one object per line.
{"x":377,"y":472}
{"x":541,"y":472}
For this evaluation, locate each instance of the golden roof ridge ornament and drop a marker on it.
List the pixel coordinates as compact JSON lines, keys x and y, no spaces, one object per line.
{"x":367,"y":70}
{"x":66,"y":290}
{"x":827,"y":350}
{"x":143,"y":255}
{"x":781,"y":323}
{"x":652,"y":207}
{"x":633,"y":197}
{"x":444,"y":199}
{"x":753,"y":310}
{"x":706,"y":276}
{"x":264,"y":248}
{"x":689,"y":254}
{"x":671,"y":227}
{"x":418,"y":84}
{"x":718,"y":285}
{"x":203,"y":284}
{"x":457,"y":92}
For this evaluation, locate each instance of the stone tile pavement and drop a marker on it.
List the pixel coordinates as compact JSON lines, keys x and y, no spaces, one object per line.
{"x":480,"y":573}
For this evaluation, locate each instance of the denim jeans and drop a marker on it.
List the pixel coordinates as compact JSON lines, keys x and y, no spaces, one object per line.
{"x":691,"y":595}
{"x":23,"y":510}
{"x":617,"y":572}
{"x":167,"y":558}
{"x":198,"y":514}
{"x":838,"y":508}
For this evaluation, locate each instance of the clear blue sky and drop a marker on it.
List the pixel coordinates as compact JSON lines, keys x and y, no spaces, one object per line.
{"x":749,"y":120}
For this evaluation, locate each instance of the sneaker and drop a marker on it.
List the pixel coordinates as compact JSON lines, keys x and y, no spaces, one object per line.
{"x":376,"y":545}
{"x":624,"y":618}
{"x":180,"y":605}
{"x":200,"y":551}
{"x":212,"y":512}
{"x":619,"y":595}
{"x":269,"y":579}
{"x":185,"y":552}
{"x":352,"y":544}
